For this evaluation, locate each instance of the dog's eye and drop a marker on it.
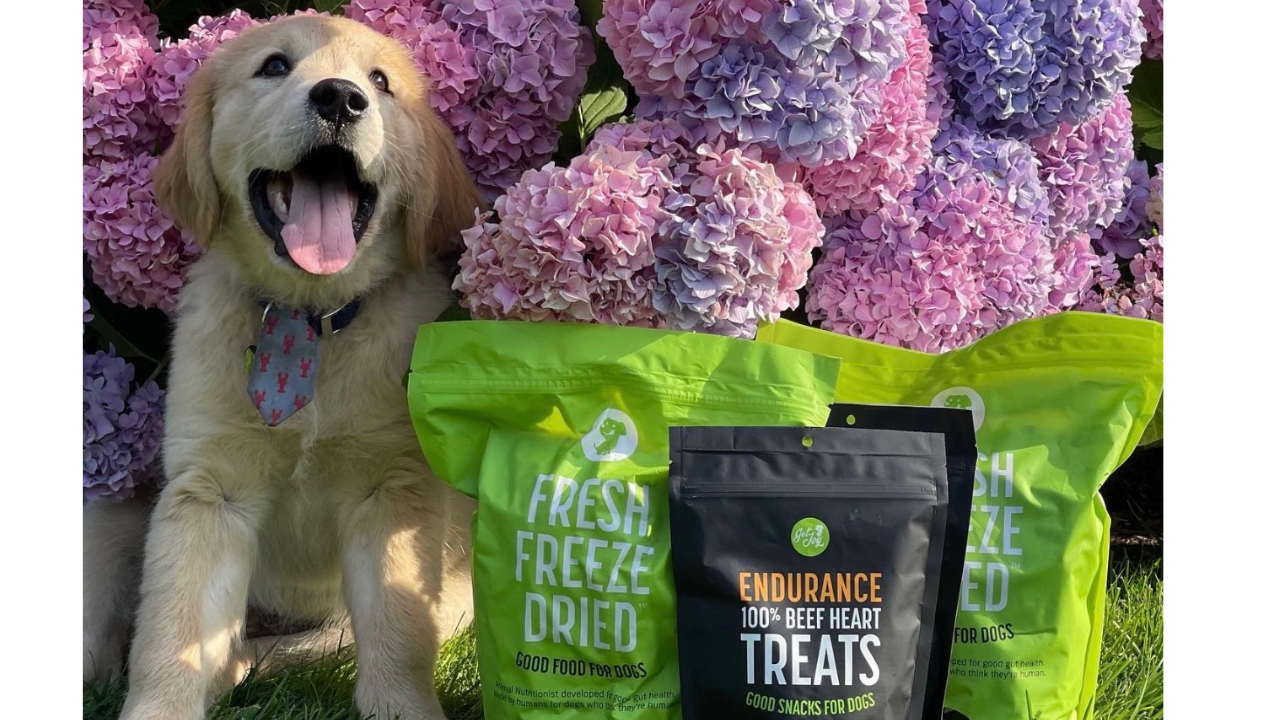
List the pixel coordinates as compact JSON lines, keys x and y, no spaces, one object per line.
{"x":275,"y":66}
{"x":379,"y":81}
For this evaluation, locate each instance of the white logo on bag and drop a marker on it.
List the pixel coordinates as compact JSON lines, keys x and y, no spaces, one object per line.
{"x":613,"y":437}
{"x":964,"y":398}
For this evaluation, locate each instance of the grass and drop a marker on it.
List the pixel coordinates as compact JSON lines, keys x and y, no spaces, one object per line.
{"x":322,"y":691}
{"x":1131,"y":683}
{"x":1131,"y":677}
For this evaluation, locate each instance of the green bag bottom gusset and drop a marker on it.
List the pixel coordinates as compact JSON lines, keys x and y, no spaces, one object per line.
{"x":1058,"y":403}
{"x":561,"y":432}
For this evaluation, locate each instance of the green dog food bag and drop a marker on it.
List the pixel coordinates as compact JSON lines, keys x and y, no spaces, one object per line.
{"x":561,"y":432}
{"x":1058,"y":403}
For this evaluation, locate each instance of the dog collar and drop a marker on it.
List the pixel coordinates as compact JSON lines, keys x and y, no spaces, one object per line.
{"x":322,"y":322}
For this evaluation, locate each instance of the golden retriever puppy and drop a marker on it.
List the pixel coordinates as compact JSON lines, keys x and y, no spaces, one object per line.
{"x":312,"y":167}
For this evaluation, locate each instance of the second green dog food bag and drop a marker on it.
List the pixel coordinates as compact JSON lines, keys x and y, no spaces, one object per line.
{"x":561,"y":431}
{"x":1058,"y":403}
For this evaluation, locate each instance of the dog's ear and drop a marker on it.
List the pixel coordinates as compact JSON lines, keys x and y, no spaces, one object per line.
{"x":445,"y":199}
{"x":184,"y":182}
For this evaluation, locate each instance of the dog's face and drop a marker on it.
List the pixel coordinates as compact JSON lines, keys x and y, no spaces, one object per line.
{"x":308,"y":150}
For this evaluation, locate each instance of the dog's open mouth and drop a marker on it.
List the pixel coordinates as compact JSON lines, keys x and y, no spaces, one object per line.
{"x":317,"y":212}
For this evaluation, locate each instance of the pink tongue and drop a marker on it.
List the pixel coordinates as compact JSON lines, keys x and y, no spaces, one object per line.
{"x":318,"y":232}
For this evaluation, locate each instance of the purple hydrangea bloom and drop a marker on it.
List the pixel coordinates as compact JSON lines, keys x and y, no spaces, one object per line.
{"x":1025,"y":66}
{"x":1009,"y":165}
{"x":1140,"y":292}
{"x":955,"y":258}
{"x":1085,"y":167}
{"x":506,"y":73}
{"x":1124,"y":235}
{"x":799,"y":79}
{"x":807,"y":30}
{"x":750,"y":95}
{"x":1153,"y":21}
{"x":122,"y":428}
{"x":1155,"y":203}
{"x":136,"y":253}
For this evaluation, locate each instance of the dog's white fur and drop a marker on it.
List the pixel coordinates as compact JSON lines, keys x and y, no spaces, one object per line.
{"x":334,"y":514}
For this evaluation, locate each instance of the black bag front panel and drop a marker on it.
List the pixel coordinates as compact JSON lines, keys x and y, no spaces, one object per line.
{"x":802,"y":571}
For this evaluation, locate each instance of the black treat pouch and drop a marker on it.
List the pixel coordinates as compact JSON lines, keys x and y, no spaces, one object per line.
{"x":807,"y":565}
{"x":956,"y":427}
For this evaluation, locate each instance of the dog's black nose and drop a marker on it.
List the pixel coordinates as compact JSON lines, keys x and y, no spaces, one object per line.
{"x":338,"y":101}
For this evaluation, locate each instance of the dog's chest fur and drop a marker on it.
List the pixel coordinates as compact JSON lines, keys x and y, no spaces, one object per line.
{"x":334,"y":448}
{"x":359,"y":386}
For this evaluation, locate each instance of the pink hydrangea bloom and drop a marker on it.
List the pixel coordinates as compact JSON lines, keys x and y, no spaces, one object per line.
{"x":444,"y":57}
{"x":950,"y":261}
{"x":507,"y":73}
{"x":656,"y":138}
{"x":1084,"y":169}
{"x":714,"y":240}
{"x":737,"y":247}
{"x":103,"y":18}
{"x":1141,"y":295}
{"x":169,"y":73}
{"x":659,"y":43}
{"x":764,"y":297}
{"x":1074,"y":262}
{"x":571,"y":243}
{"x":1147,"y":269}
{"x":137,"y":255}
{"x":1153,"y":21}
{"x":897,"y":144}
{"x":119,"y":41}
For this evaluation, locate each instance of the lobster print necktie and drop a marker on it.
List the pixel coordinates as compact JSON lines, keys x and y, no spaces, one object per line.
{"x":285,"y":363}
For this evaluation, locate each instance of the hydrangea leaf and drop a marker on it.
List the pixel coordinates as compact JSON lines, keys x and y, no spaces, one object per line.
{"x":599,"y":107}
{"x":109,"y":336}
{"x":1146,"y":95}
{"x":604,"y":99}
